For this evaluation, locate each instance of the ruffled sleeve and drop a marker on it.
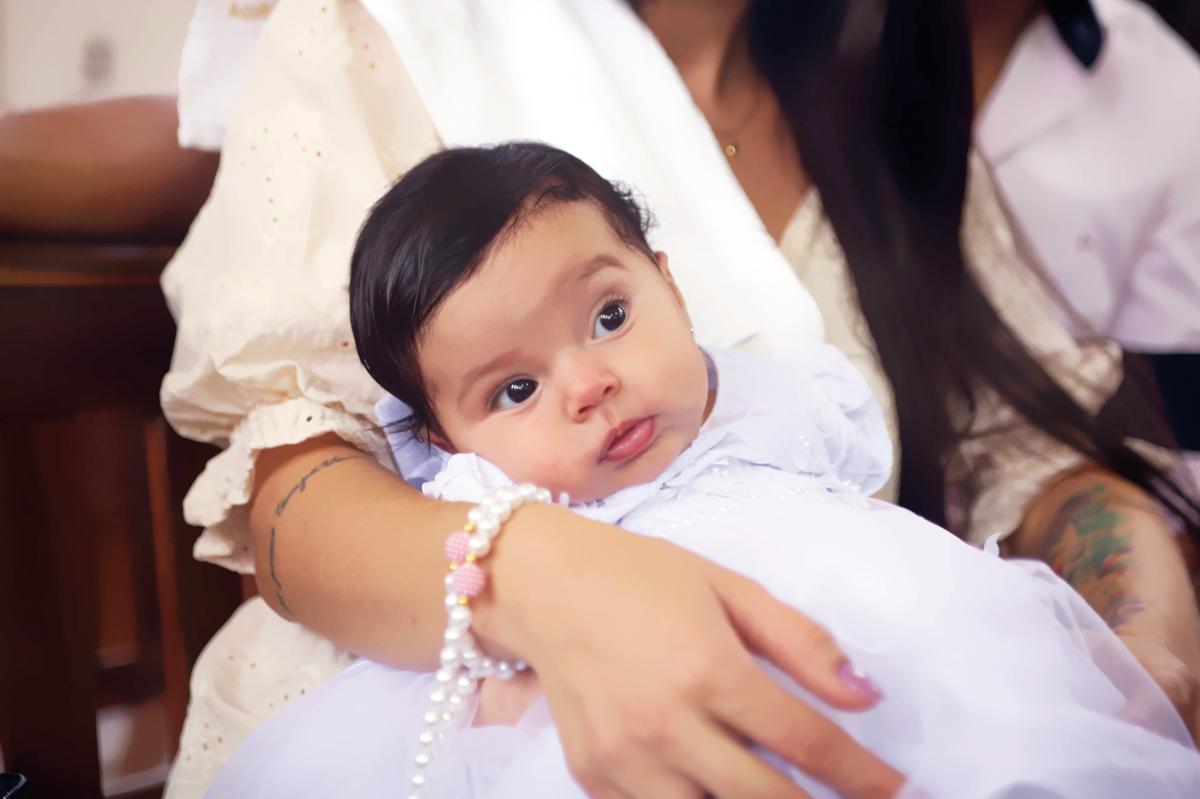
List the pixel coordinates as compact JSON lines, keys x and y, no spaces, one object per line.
{"x":851,"y":422}
{"x":811,"y":413}
{"x":264,"y":356}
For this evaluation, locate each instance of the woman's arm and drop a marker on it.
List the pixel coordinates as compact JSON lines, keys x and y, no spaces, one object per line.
{"x":651,"y":680}
{"x":1111,"y":542}
{"x":332,"y":552}
{"x":106,"y":168}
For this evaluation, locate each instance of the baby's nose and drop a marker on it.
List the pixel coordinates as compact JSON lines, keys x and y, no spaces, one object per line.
{"x":588,"y":390}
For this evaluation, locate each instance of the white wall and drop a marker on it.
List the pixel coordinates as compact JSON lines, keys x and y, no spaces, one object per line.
{"x":60,"y":50}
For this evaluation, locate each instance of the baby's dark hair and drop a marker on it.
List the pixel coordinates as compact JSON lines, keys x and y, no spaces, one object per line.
{"x":433,"y":228}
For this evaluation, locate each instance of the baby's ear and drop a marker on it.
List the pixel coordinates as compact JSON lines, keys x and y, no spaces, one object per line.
{"x":660,"y":260}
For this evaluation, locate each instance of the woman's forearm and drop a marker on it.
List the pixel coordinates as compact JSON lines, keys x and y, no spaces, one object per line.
{"x":350,"y":551}
{"x":1111,"y":542}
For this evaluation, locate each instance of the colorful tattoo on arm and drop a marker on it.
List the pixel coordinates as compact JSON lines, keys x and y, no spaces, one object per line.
{"x":1089,"y":544}
{"x":281,"y":507}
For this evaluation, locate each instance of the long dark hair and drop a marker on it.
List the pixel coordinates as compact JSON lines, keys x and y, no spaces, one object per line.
{"x":878,"y":95}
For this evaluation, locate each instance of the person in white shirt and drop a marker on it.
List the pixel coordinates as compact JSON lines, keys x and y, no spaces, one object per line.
{"x":1092,"y":133}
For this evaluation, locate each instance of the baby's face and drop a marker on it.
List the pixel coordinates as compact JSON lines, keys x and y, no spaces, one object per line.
{"x":567,"y":359}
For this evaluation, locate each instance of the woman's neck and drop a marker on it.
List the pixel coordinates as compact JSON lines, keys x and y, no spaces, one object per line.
{"x":996,"y":27}
{"x":707,"y":42}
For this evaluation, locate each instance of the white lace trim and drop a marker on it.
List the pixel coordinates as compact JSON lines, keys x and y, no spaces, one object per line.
{"x":218,"y":499}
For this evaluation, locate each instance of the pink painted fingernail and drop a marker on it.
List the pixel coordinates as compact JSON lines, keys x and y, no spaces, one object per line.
{"x":858,"y":682}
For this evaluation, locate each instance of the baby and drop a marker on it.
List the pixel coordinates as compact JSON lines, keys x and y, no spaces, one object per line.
{"x":508,"y":299}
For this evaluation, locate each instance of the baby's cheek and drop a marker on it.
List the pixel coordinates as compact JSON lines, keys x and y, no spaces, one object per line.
{"x":522,"y":454}
{"x":527,"y":453}
{"x":557,"y":471}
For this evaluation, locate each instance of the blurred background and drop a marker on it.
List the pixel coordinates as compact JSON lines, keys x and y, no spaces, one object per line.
{"x":69,"y":50}
{"x":130,"y":613}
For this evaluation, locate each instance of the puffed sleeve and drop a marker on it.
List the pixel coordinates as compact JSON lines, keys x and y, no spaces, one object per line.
{"x":264,"y":355}
{"x":809,"y":412}
{"x":844,"y":417}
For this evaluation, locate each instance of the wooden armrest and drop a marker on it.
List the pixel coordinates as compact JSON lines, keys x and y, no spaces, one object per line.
{"x":58,"y":264}
{"x":84,"y":326}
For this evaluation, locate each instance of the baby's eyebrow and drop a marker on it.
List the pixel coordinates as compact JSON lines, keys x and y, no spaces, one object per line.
{"x":479,"y":371}
{"x":596,"y":263}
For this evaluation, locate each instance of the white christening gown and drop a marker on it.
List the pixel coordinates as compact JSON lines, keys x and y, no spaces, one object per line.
{"x":999,"y":680}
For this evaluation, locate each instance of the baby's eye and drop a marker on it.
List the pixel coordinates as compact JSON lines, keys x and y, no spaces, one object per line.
{"x":514,"y":392}
{"x":610,"y":319}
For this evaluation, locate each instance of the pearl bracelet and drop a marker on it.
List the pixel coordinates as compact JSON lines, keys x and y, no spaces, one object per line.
{"x":462,"y":665}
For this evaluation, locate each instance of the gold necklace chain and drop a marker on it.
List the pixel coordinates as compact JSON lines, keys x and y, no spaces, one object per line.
{"x":729,"y":138}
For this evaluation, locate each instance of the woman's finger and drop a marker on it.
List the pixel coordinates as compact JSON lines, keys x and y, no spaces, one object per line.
{"x":639,"y":777}
{"x":645,"y":778}
{"x":797,"y":645}
{"x":765,"y":712}
{"x":601,"y":788}
{"x":607,"y":759}
{"x":711,"y":756}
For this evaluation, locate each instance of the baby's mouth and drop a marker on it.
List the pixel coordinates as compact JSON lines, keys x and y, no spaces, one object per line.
{"x":627,"y":440}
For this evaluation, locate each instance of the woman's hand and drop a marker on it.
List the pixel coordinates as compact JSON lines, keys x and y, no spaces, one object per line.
{"x":1173,"y":676}
{"x":645,"y":654}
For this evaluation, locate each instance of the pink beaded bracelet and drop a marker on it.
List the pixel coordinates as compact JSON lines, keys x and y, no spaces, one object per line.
{"x":462,"y":665}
